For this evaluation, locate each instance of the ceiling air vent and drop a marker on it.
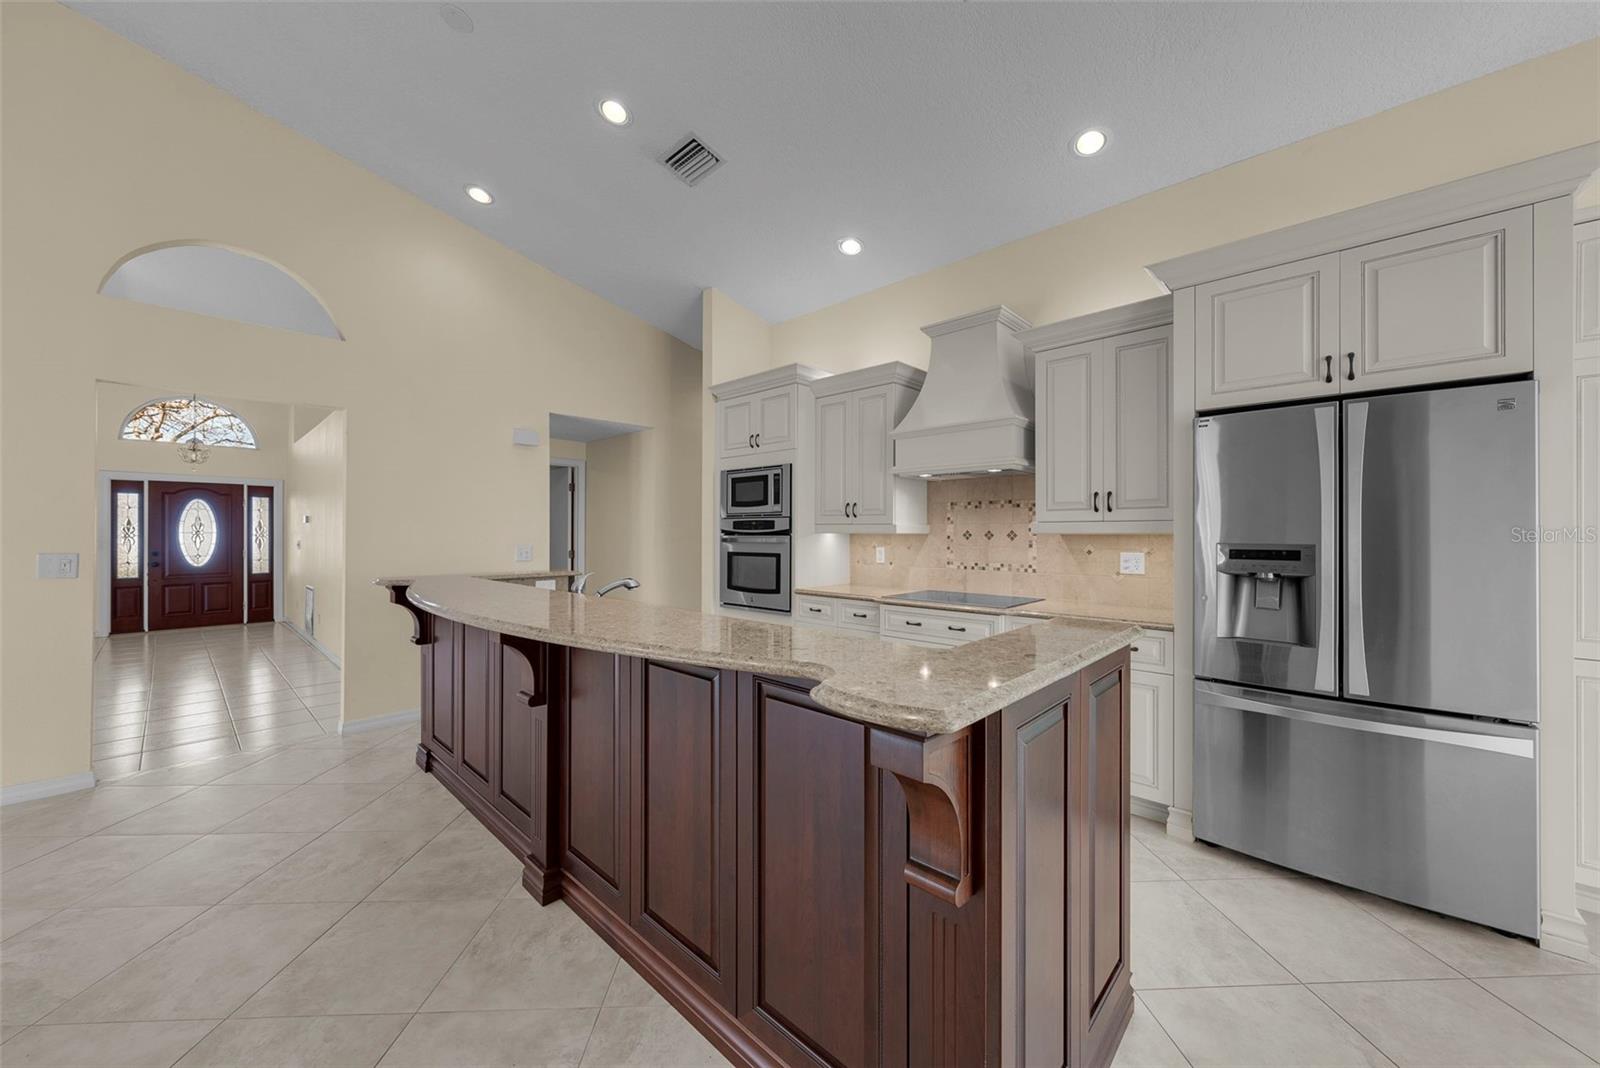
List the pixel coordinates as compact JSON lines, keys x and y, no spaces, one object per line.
{"x":690,"y":160}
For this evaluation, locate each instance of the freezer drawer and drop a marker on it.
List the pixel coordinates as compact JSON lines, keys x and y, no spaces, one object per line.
{"x":1437,"y":811}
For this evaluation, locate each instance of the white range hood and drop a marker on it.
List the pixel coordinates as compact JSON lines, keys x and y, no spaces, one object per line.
{"x":975,"y":412}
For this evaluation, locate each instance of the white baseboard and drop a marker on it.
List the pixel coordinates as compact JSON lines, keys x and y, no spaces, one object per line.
{"x":33,"y":791}
{"x":382,"y":723}
{"x":1180,"y":824}
{"x":1150,"y":810}
{"x":1588,"y":897}
{"x":309,"y":640}
{"x":1566,"y":935}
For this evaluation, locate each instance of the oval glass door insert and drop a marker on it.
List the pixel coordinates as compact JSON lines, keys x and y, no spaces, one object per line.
{"x":197,"y":532}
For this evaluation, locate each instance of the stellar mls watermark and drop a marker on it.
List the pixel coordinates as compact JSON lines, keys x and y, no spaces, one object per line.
{"x":1551,"y":535}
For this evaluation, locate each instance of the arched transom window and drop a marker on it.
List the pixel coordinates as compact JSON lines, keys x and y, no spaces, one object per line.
{"x":188,"y":419}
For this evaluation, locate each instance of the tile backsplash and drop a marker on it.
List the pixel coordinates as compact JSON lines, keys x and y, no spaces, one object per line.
{"x":980,"y":539}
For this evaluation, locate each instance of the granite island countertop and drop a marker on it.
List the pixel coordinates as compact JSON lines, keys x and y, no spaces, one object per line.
{"x":871,"y":680}
{"x":1154,"y":618}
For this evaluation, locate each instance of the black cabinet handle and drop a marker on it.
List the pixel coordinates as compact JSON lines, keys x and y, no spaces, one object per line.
{"x":758,"y":441}
{"x":1109,"y":509}
{"x":751,"y":441}
{"x":959,"y":630}
{"x":1327,"y":371}
{"x":859,"y":615}
{"x":1350,"y":375}
{"x":1097,"y":500}
{"x":811,"y":609}
{"x":913,"y":623}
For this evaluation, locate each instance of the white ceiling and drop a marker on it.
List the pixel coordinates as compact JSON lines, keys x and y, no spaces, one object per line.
{"x":931,"y":131}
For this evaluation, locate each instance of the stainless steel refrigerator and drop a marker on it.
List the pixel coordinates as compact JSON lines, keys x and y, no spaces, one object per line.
{"x":1366,"y":659}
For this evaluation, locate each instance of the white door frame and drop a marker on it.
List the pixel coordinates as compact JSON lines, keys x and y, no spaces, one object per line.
{"x":102,"y":539}
{"x":580,"y":509}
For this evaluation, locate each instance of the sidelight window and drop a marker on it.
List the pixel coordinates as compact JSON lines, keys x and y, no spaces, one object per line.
{"x":197,"y":532}
{"x":260,"y":535}
{"x":128,"y":535}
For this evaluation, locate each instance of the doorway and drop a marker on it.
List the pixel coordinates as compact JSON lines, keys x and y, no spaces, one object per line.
{"x":566,"y":514}
{"x":190,"y":554}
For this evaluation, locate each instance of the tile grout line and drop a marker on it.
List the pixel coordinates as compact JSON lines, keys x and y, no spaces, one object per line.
{"x":1160,"y":1025}
{"x":226,"y":704}
{"x":1525,"y":1016}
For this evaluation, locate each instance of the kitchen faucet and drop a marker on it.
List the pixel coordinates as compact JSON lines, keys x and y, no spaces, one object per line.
{"x":623,"y":583}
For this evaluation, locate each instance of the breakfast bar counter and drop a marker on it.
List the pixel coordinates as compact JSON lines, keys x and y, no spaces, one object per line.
{"x":819,"y":848}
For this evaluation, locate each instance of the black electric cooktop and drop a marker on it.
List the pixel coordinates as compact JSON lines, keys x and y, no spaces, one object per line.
{"x":966,"y":600}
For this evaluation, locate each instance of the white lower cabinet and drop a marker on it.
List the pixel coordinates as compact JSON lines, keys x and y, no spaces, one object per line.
{"x":1150,"y":736}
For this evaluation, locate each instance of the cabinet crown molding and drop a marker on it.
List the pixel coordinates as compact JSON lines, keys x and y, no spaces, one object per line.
{"x":893,"y":373}
{"x":1141,"y":315}
{"x":1529,"y":182}
{"x":790,"y":374}
{"x":997,"y":314}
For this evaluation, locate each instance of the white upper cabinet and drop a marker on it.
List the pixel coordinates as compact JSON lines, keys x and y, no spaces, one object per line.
{"x":856,"y":491}
{"x":1586,"y":366}
{"x":761,"y":422}
{"x":1102,"y":421}
{"x":1270,"y":335}
{"x":1447,"y":303}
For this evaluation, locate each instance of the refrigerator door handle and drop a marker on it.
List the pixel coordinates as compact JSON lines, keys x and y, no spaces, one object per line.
{"x":1328,"y":587}
{"x":1355,"y":613}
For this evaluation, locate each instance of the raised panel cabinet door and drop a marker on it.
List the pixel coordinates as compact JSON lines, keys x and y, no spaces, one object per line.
{"x":1588,"y":467}
{"x":1269,"y":335}
{"x":1069,"y":434}
{"x":685,"y":819}
{"x":1448,"y":303}
{"x":1035,"y":843}
{"x":480,"y":670}
{"x":596,"y":736}
{"x":1588,"y":736}
{"x":833,"y":459}
{"x":874,"y":419}
{"x":775,"y":418}
{"x":1586,"y":299}
{"x":1150,"y":708}
{"x":806,"y":875}
{"x":1138,"y":421}
{"x":522,"y":738}
{"x":439,"y":690}
{"x":736,"y":426}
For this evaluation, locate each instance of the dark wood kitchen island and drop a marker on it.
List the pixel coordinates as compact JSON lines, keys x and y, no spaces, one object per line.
{"x":821,"y":849}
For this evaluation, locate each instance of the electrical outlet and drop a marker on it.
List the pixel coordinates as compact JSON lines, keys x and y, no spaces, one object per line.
{"x":58,"y":565}
{"x":1131,"y":564}
{"x":524,"y":553}
{"x":882,"y":554}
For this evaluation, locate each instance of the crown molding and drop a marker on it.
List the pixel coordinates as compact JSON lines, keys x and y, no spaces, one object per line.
{"x":893,"y":373}
{"x":1530,"y":182}
{"x":1142,"y":315}
{"x":997,"y":314}
{"x":790,"y":374}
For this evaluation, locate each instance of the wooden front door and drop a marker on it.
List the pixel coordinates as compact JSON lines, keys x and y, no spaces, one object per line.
{"x":197,"y":554}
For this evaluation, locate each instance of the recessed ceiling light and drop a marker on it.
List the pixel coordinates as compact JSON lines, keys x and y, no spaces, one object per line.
{"x":850,"y":246}
{"x":994,"y":470}
{"x":1089,"y":142}
{"x":480,"y":194}
{"x":614,"y":113}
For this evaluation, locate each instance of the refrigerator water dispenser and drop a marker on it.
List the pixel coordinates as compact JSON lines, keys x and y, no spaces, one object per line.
{"x":1265,"y":593}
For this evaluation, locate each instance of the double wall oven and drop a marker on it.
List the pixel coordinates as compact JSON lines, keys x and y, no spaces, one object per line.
{"x":753,"y":558}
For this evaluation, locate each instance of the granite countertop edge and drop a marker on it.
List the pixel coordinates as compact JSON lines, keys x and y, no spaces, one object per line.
{"x":891,"y":596}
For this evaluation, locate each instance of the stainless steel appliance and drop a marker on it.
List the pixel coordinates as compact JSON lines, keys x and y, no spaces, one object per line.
{"x":756,"y":491}
{"x":966,"y":600}
{"x":753,"y":564}
{"x":1366,"y":696}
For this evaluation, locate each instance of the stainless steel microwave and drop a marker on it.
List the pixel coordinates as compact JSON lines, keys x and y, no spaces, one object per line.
{"x":757,"y":491}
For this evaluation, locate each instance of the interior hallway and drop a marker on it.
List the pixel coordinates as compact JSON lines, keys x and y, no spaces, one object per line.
{"x":165,"y":698}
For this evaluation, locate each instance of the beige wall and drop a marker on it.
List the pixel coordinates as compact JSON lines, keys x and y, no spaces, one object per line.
{"x":314,"y":550}
{"x":115,"y":401}
{"x":453,"y":340}
{"x":1533,"y":109}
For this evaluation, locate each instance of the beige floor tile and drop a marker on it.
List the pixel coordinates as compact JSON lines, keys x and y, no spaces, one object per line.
{"x":378,"y":764}
{"x":195,"y":774}
{"x":206,"y":969}
{"x":248,"y":721}
{"x":115,"y":769}
{"x":1445,"y":1022}
{"x":1145,"y":866}
{"x":1145,"y":1045}
{"x":1569,"y":1005}
{"x":528,"y":956}
{"x":202,"y":872}
{"x":553,"y":1037}
{"x":1317,"y":933}
{"x":409,"y":943}
{"x":121,"y":747}
{"x":629,"y":989}
{"x":308,"y":808}
{"x":60,"y":958}
{"x":219,"y":727}
{"x":652,"y":1035}
{"x":419,"y":803}
{"x":274,"y":736}
{"x":463,"y":861}
{"x":1470,"y":949}
{"x":113,"y":732}
{"x":16,"y":849}
{"x":188,"y":754}
{"x":1196,"y":860}
{"x":1266,"y":1026}
{"x":108,"y":1045}
{"x":203,"y":809}
{"x":76,"y":871}
{"x":290,"y":767}
{"x":1180,"y":939}
{"x":84,"y":812}
{"x":15,"y":921}
{"x":301,"y":1041}
{"x":334,"y":867}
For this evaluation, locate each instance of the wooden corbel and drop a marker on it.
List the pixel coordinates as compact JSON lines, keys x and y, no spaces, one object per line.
{"x":936,"y":775}
{"x":421,"y":622}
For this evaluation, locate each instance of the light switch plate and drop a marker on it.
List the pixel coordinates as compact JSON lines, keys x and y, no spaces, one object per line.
{"x":58,"y":565}
{"x":882,"y":554}
{"x":524,"y":553}
{"x":1131,"y":564}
